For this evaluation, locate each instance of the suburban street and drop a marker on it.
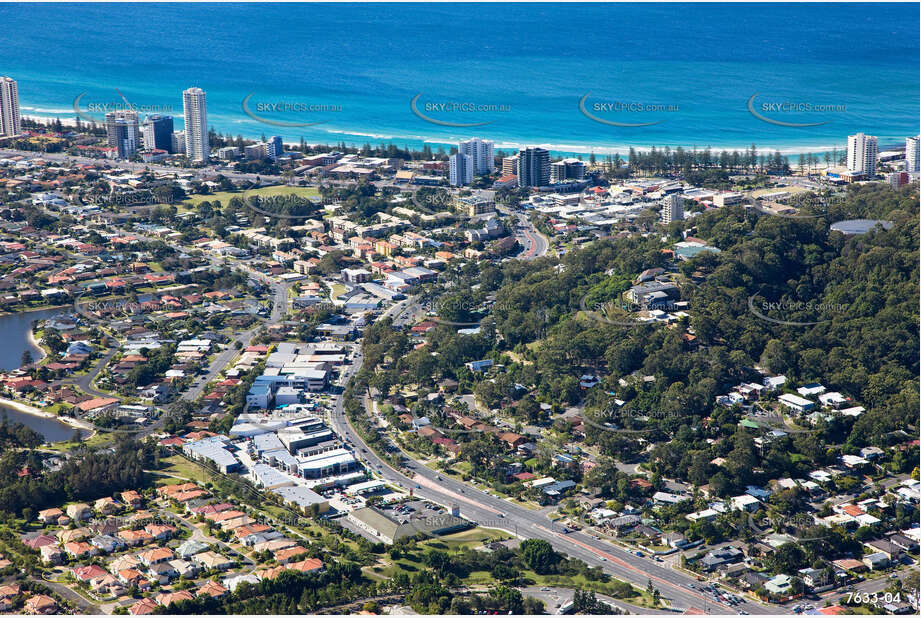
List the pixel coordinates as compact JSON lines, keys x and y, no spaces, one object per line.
{"x":493,"y":512}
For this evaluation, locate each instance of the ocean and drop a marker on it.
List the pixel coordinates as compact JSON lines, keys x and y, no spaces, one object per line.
{"x":564,"y":76}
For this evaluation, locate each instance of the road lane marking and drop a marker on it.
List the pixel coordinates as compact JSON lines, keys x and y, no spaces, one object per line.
{"x":627,"y":565}
{"x":423,"y":481}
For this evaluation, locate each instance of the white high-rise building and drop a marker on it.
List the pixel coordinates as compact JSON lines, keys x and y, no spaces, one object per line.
{"x":672,"y":208}
{"x":912,"y":158}
{"x":461,"y":169}
{"x":196,"y":124}
{"x":482,"y":153}
{"x":10,"y":122}
{"x":861,"y":154}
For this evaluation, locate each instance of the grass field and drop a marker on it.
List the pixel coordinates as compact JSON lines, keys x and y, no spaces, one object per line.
{"x":225,"y":196}
{"x":338,"y":290}
{"x":177,"y":465}
{"x":474,"y":537}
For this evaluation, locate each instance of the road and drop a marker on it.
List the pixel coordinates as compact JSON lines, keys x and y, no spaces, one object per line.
{"x":553,"y":597}
{"x":534,"y":243}
{"x":223,"y":358}
{"x":495,"y":512}
{"x":83,"y":604}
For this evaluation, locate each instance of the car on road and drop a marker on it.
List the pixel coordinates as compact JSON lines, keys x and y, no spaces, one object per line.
{"x":640,"y":554}
{"x":603,"y":559}
{"x":418,"y":487}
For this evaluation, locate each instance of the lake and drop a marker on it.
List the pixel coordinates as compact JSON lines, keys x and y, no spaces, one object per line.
{"x":53,"y":430}
{"x":15,"y":329}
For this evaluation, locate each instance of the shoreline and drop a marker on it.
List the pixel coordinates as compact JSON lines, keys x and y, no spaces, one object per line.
{"x":33,"y":411}
{"x":598,"y":150}
{"x":34,"y":309}
{"x":30,"y":337}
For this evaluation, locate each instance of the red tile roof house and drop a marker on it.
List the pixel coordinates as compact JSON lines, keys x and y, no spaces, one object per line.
{"x":212,"y":589}
{"x":80,"y":549}
{"x":99,"y":404}
{"x":168,"y":598}
{"x":143,"y":607}
{"x":86,"y":573}
{"x":310,"y":565}
{"x":40,"y":541}
{"x":40,"y":604}
{"x":132,"y":498}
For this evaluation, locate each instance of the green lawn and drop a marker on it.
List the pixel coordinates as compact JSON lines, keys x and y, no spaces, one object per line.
{"x":225,"y":196}
{"x":338,"y":290}
{"x":178,"y":465}
{"x":474,"y":537}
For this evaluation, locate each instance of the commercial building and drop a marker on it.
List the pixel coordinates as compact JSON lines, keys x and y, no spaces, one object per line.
{"x":567,"y":169}
{"x":303,"y":498}
{"x":157,"y":132}
{"x":214,"y":449}
{"x":10,"y":122}
{"x":330,"y":463}
{"x":481,"y":153}
{"x":122,"y":133}
{"x":195,"y":111}
{"x":533,"y":167}
{"x":861,"y":154}
{"x":672,"y":208}
{"x":473,"y":206}
{"x":729,"y":198}
{"x":389,"y":530}
{"x":460,"y":171}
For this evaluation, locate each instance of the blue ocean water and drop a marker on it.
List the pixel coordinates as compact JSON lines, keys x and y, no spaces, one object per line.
{"x":692,"y":67}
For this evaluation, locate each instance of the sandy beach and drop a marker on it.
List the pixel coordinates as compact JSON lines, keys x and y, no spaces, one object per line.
{"x":27,"y":409}
{"x":34,"y":343}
